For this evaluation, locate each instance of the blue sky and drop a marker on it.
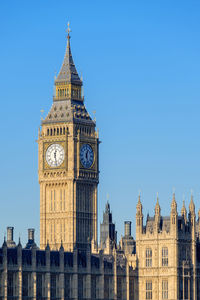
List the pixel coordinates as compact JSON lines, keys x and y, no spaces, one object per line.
{"x":141,"y":68}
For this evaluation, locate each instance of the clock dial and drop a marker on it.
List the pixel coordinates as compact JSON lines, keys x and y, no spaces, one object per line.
{"x":55,"y":155}
{"x":86,"y":156}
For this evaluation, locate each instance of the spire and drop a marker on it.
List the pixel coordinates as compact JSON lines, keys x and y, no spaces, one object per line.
{"x":4,"y":242}
{"x":139,"y":205}
{"x":19,"y":243}
{"x":191,"y":205}
{"x":68,"y":72}
{"x":47,"y":246}
{"x":61,"y":246}
{"x":157,"y":207}
{"x":184,"y":211}
{"x":174,"y":204}
{"x":107,"y":210}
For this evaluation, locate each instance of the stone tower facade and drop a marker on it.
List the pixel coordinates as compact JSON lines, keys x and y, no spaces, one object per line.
{"x":68,"y":165}
{"x":108,"y":234}
{"x":168,"y":253}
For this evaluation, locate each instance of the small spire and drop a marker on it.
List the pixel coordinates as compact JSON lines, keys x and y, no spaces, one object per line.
{"x":139,"y":204}
{"x":191,"y":206}
{"x":107,"y":207}
{"x":183,"y":207}
{"x":47,"y":246}
{"x":157,"y":207}
{"x":61,"y":246}
{"x":139,"y":196}
{"x":4,"y":242}
{"x":174,"y":204}
{"x":183,"y":210}
{"x":19,"y":243}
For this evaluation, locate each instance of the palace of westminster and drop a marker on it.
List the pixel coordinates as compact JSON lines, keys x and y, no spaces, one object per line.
{"x":162,"y":262}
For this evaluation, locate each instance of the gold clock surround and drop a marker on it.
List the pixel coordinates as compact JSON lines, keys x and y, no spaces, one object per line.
{"x":46,"y":146}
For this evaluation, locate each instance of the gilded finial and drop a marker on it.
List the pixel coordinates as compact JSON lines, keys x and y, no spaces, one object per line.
{"x":68,"y":30}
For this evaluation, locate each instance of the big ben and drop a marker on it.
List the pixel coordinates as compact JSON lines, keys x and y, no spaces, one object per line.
{"x":68,"y":165}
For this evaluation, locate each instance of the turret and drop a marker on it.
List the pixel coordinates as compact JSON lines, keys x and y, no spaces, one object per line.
{"x":192,"y":216}
{"x":157,"y":215}
{"x":192,"y":206}
{"x":108,"y":235}
{"x":127,"y":242}
{"x":174,"y":216}
{"x":139,"y":218}
{"x":192,"y":223}
{"x":184,"y":212}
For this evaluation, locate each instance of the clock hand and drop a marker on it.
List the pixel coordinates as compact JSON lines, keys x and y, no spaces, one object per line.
{"x":55,"y":157}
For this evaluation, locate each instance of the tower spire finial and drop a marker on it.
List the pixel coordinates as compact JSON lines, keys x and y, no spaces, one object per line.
{"x":68,"y":30}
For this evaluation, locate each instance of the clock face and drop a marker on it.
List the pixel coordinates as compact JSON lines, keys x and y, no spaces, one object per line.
{"x":55,"y":155}
{"x":86,"y":156}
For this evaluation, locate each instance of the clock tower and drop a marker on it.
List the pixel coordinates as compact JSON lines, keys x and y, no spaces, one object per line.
{"x":68,"y":165}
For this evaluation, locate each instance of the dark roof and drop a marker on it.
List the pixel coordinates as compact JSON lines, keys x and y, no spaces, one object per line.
{"x":68,"y":111}
{"x":68,"y":72}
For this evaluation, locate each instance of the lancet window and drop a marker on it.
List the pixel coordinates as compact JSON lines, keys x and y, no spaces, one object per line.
{"x":148,"y":257}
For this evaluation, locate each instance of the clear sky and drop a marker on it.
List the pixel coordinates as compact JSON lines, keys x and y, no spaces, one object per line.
{"x":140,"y":62}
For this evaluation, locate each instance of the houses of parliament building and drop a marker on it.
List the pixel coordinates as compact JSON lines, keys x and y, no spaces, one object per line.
{"x":161,"y":262}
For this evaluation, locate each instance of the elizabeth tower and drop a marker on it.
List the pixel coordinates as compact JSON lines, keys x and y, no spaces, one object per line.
{"x":68,"y":165}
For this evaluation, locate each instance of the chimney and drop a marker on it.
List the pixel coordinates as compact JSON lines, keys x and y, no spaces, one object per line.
{"x":10,"y":233}
{"x":127,"y":228}
{"x":31,"y":240}
{"x":10,"y":242}
{"x":31,"y":232}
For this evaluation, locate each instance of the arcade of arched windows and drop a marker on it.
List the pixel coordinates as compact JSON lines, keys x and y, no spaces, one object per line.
{"x":64,"y":92}
{"x":62,"y":130}
{"x":84,"y":130}
{"x":57,"y":131}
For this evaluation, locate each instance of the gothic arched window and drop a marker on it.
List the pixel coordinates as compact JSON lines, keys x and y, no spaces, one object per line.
{"x":164,"y":256}
{"x":148,"y":257}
